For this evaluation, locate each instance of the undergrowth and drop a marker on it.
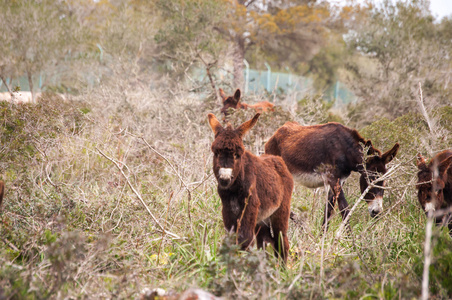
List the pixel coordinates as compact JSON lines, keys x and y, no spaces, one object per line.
{"x":72,"y":226}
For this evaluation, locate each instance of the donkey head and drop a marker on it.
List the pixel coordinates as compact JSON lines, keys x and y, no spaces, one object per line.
{"x":228,"y":149}
{"x":432,"y":179}
{"x":375,"y":167}
{"x":229,"y":102}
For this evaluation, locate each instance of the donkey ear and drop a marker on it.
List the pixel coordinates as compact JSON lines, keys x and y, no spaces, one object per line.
{"x":370,"y":147}
{"x":222,"y":94}
{"x":444,"y":166}
{"x":245,"y":127}
{"x":420,"y":161}
{"x":214,"y":124}
{"x":237,"y":95}
{"x":390,"y":154}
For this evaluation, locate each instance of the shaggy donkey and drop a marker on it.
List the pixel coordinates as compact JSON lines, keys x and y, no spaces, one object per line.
{"x":234,"y":102}
{"x":255,"y":191}
{"x":435,"y":184}
{"x":328,"y":153}
{"x":2,"y":190}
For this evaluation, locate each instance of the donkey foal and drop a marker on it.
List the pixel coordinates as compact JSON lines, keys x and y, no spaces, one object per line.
{"x":255,"y":191}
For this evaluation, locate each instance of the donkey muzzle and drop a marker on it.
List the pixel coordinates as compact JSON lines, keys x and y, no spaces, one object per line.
{"x":375,"y":206}
{"x":225,"y":176}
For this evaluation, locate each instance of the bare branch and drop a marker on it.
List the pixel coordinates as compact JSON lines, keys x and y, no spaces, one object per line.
{"x":137,"y":194}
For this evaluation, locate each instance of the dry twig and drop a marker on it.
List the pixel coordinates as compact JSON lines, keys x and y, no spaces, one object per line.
{"x":137,"y":194}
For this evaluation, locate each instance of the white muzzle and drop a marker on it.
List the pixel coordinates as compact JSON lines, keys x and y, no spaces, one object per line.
{"x":429,"y":207}
{"x":375,"y":206}
{"x":225,"y":173}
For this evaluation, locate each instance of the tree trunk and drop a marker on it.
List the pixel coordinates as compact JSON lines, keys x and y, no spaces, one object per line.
{"x":6,"y":84}
{"x":212,"y":82}
{"x":238,"y":57}
{"x":30,"y":83}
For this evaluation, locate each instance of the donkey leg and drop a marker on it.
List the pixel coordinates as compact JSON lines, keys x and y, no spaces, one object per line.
{"x":280,"y":224}
{"x":263,"y":235}
{"x":330,"y":208}
{"x":247,"y":225}
{"x":343,"y":205}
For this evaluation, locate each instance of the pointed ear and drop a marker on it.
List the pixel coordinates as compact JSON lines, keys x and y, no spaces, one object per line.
{"x":444,"y":166}
{"x":420,"y":161}
{"x":222,"y":94}
{"x":237,"y":95}
{"x":245,"y":127}
{"x":390,"y":154}
{"x":214,"y":124}
{"x":370,"y":148}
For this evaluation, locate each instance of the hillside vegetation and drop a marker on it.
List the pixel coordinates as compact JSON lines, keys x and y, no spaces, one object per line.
{"x":110,"y":191}
{"x":109,"y":194}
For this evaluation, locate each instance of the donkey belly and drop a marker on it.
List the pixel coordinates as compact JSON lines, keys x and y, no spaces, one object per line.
{"x":310,"y":180}
{"x":264,"y":214}
{"x":314,"y":180}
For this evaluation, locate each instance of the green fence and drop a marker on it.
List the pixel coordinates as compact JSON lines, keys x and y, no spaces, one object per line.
{"x":257,"y":81}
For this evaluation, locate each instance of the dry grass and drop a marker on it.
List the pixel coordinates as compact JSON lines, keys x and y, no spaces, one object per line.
{"x":113,"y":192}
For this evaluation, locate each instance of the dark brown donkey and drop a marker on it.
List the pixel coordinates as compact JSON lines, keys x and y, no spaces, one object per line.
{"x":327,"y":154}
{"x":255,"y":191}
{"x":2,"y":190}
{"x":234,"y":102}
{"x":435,"y":184}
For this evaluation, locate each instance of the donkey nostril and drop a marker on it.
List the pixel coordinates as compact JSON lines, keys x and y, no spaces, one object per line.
{"x":374,"y":213}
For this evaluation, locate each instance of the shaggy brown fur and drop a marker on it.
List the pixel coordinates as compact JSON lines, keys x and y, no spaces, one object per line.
{"x":328,"y":153}
{"x":255,"y":191}
{"x":2,"y":190}
{"x":435,"y":184}
{"x":234,"y":102}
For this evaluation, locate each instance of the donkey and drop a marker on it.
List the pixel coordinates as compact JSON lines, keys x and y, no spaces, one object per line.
{"x":234,"y":102}
{"x":255,"y":191}
{"x":435,"y":184}
{"x":326,"y":154}
{"x":2,"y":190}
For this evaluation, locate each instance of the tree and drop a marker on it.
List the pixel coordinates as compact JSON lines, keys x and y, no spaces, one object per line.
{"x":33,"y":37}
{"x":187,"y":36}
{"x":285,"y":32}
{"x":397,"y":47}
{"x":290,"y":32}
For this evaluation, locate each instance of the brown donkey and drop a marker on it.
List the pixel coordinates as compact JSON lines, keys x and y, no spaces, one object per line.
{"x":327,"y":154}
{"x":234,"y":102}
{"x":255,"y":191}
{"x":2,"y":190}
{"x":435,"y":184}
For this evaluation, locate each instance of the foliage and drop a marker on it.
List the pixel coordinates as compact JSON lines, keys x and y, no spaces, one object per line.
{"x":187,"y":38}
{"x":187,"y":34}
{"x":441,"y":267}
{"x":411,"y":131}
{"x":35,"y":37}
{"x":286,"y":33}
{"x":401,"y":47}
{"x":70,"y":211}
{"x":79,"y":173}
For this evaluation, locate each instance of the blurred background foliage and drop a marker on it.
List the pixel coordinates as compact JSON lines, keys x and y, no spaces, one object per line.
{"x":138,"y":79}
